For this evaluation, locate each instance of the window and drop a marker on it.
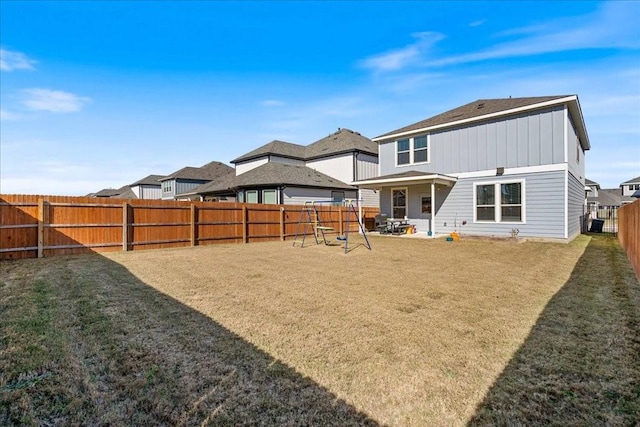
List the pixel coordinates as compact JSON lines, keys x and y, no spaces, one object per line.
{"x":499,"y":202}
{"x":399,"y":202}
{"x":412,"y":150}
{"x":269,"y":197}
{"x":511,"y":202}
{"x":251,"y":196}
{"x":420,"y":149}
{"x":166,"y":186}
{"x":337,"y":196}
{"x":240,"y":196}
{"x":404,"y":154}
{"x":425,"y":205}
{"x":485,"y":202}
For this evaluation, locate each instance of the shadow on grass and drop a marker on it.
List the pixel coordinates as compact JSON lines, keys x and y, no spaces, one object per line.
{"x":102,"y":347}
{"x":580,"y":364}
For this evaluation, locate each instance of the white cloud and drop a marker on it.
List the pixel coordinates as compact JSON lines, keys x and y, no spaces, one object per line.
{"x":612,"y":26}
{"x":55,"y":101}
{"x":10,"y":61}
{"x":8,"y":115}
{"x":477,"y":23}
{"x":400,"y":58}
{"x":272,"y":103}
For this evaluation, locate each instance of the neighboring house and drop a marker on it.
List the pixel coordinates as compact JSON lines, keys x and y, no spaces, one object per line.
{"x":186,"y":179}
{"x":631,"y":188}
{"x":148,"y":187}
{"x":323,"y":170}
{"x":278,"y":183}
{"x":491,"y":167}
{"x":114,"y":193}
{"x":611,"y":198}
{"x":592,"y":189}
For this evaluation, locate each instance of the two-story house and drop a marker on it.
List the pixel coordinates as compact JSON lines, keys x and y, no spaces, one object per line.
{"x":286,"y":173}
{"x":494,"y":167}
{"x":186,"y":179}
{"x":148,"y":187}
{"x":631,"y":188}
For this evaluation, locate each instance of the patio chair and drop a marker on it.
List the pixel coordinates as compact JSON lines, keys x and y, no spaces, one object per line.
{"x":381,"y":224}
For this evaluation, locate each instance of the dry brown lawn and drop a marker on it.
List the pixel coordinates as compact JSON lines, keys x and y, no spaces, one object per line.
{"x":414,"y":332}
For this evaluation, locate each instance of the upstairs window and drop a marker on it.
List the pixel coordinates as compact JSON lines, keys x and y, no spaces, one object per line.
{"x":166,"y":186}
{"x":404,"y":154}
{"x":413,"y":150}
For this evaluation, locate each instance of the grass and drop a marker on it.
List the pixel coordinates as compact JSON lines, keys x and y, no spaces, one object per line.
{"x":414,"y":332}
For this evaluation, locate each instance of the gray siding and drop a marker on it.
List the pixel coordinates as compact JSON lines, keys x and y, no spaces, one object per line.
{"x":298,"y":195}
{"x":544,"y":207}
{"x":150,"y":192}
{"x":530,"y":139}
{"x":576,"y":205}
{"x":182,"y":186}
{"x":369,"y":198}
{"x":366,"y":166}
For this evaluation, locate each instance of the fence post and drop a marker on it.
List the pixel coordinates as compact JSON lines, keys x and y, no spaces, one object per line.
{"x":245,"y":237}
{"x":125,"y":226}
{"x":194,"y":229}
{"x":282,"y":223}
{"x":43,"y":220}
{"x":340,"y":226}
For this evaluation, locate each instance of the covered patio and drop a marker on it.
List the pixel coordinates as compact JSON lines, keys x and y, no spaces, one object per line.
{"x":412,"y":196}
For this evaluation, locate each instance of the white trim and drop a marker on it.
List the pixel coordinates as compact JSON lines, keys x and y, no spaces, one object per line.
{"x":513,"y":171}
{"x":565,"y":117}
{"x":498,"y":201}
{"x":432,"y":222}
{"x":406,"y":201}
{"x":566,"y":204}
{"x":412,"y":150}
{"x":480,"y":118}
{"x":407,"y":179}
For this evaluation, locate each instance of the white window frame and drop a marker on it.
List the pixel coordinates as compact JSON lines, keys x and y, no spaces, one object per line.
{"x":406,"y":201}
{"x":498,"y":202}
{"x":412,"y":151}
{"x":166,"y":186}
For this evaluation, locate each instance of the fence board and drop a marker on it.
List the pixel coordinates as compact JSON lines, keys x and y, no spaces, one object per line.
{"x":629,"y":233}
{"x":69,"y":225}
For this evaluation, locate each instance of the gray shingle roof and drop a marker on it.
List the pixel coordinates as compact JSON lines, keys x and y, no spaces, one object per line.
{"x":342,"y":141}
{"x":611,"y":197}
{"x":589,"y":182}
{"x":473,"y":109}
{"x":148,"y":180}
{"x":281,"y":148}
{"x":208,"y":172}
{"x":107,"y":192}
{"x":274,"y":174}
{"x":635,"y":180}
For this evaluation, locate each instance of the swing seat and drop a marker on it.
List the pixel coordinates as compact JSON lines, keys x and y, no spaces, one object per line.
{"x":342,"y":238}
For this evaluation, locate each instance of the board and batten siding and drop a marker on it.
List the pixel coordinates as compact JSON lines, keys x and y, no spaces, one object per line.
{"x":149,"y":192}
{"x":366,"y":166}
{"x":182,"y":186}
{"x":544,"y":207}
{"x":529,"y":139}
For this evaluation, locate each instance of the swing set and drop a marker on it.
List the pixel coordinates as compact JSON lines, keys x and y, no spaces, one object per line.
{"x":310,"y":221}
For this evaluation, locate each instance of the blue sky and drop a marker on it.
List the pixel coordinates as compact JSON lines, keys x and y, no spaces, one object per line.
{"x":101,"y":94}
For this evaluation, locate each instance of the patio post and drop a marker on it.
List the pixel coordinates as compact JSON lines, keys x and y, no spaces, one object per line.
{"x":433,"y":208}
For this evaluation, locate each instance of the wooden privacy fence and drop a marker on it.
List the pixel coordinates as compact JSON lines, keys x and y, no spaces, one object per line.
{"x":42,"y":226}
{"x":629,"y":233}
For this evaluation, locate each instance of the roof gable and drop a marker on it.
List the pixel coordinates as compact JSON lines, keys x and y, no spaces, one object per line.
{"x":281,"y":148}
{"x":210,"y":171}
{"x":635,"y":180}
{"x":148,"y":180}
{"x":344,"y":140}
